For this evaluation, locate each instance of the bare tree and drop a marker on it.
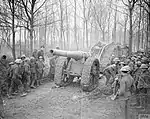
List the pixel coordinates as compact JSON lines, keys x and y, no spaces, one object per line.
{"x":130,"y":5}
{"x":31,"y":9}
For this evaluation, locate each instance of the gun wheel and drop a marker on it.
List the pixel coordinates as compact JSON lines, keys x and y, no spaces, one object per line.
{"x":60,"y":77}
{"x":90,"y":74}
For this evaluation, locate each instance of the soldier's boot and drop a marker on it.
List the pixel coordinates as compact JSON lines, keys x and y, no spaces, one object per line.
{"x":21,"y":91}
{"x":28,"y":85}
{"x":38,"y":83}
{"x":32,"y":84}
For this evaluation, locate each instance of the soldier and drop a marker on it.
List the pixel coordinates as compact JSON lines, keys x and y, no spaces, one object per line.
{"x":26,"y":74}
{"x":39,"y":69}
{"x":23,"y":57}
{"x":41,"y":52}
{"x":16,"y":78}
{"x":52,"y":66}
{"x":143,"y":85}
{"x":3,"y":67}
{"x":9,"y":78}
{"x":112,"y":59}
{"x":123,"y":58}
{"x":35,"y":54}
{"x":126,"y":83}
{"x":137,"y":73}
{"x":110,"y":72}
{"x":33,"y":72}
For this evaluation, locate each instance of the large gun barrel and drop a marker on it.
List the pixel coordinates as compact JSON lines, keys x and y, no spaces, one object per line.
{"x":77,"y":55}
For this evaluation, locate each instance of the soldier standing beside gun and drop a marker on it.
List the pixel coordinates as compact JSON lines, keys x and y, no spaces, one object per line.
{"x":39,"y":69}
{"x":33,"y":72}
{"x":111,"y":70}
{"x":52,"y":67}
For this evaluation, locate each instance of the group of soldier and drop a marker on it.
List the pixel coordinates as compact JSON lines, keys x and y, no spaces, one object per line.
{"x":19,"y":76}
{"x":129,"y":76}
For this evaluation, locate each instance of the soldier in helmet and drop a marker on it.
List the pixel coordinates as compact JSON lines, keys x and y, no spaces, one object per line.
{"x":23,"y":57}
{"x":126,"y":83}
{"x":33,"y":72}
{"x":41,"y":52}
{"x":137,"y":73}
{"x":52,"y":66}
{"x":110,"y":72}
{"x":39,"y":69}
{"x":143,"y":84}
{"x":35,"y":54}
{"x":26,"y":74}
{"x":123,"y":58}
{"x":9,"y":78}
{"x":112,"y":59}
{"x":16,"y":78}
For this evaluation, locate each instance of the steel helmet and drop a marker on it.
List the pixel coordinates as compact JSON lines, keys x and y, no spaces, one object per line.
{"x":40,"y":57}
{"x":32,"y":58}
{"x":144,"y":66}
{"x":18,"y":61}
{"x":27,"y":59}
{"x":123,"y":56}
{"x":116,"y":59}
{"x":138,"y":62}
{"x":23,"y":56}
{"x":125,"y":68}
{"x":11,"y":63}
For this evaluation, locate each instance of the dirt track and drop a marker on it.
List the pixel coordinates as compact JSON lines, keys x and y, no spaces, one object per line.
{"x":61,"y":103}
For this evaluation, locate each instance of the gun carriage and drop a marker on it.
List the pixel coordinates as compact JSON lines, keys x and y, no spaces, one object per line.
{"x":71,"y":64}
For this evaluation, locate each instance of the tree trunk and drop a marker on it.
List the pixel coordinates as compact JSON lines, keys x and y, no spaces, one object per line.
{"x":147,"y":33}
{"x":61,"y":25}
{"x":25,"y":41}
{"x":67,"y":23}
{"x":20,"y":41}
{"x":143,"y":27}
{"x":87,"y":40}
{"x":13,"y":30}
{"x":125,"y":29}
{"x":31,"y":33}
{"x":115,"y":25}
{"x":130,"y":31}
{"x":45,"y":41}
{"x":109,"y":20}
{"x":75,"y":25}
{"x":139,"y":33}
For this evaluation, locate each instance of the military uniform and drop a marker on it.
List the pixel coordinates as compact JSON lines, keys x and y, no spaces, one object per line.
{"x":109,"y":72}
{"x":52,"y":67}
{"x":39,"y":70}
{"x":126,"y":82}
{"x":33,"y":72}
{"x":41,"y":53}
{"x":143,"y":85}
{"x":16,"y":77}
{"x":26,"y":75}
{"x":35,"y":54}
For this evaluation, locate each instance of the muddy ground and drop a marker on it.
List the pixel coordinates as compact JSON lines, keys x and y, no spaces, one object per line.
{"x":63,"y":103}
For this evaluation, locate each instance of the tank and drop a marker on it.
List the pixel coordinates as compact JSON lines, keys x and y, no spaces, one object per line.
{"x":79,"y":65}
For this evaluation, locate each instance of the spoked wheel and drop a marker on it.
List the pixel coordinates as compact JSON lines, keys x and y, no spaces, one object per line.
{"x":60,"y":77}
{"x":90,"y":74}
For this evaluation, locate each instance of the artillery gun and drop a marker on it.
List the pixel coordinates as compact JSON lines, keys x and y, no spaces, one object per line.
{"x":71,"y":64}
